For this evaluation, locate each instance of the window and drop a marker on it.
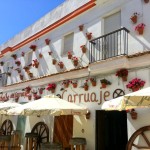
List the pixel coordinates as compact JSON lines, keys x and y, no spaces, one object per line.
{"x":68,"y":43}
{"x":28,"y":58}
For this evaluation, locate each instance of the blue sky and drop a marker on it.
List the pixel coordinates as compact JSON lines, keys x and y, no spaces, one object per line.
{"x":16,"y":15}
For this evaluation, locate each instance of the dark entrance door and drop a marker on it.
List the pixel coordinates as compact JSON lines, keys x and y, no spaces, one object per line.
{"x":111,"y":130}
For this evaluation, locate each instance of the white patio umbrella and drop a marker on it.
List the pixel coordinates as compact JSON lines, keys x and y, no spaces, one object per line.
{"x":7,"y":105}
{"x":49,"y":105}
{"x":138,"y":99}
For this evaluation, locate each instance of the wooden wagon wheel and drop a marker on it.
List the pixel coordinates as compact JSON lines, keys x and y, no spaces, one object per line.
{"x":140,"y":132}
{"x":7,"y":127}
{"x":43,"y":133}
{"x":118,"y":93}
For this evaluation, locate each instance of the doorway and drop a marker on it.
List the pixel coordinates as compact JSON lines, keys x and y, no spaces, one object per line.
{"x":63,"y":130}
{"x":110,"y":42}
{"x":111,"y":130}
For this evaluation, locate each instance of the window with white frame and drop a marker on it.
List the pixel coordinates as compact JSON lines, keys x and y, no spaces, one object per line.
{"x":28,"y":58}
{"x":68,"y":43}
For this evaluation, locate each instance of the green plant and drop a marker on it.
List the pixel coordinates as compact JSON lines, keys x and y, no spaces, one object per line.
{"x":105,"y":82}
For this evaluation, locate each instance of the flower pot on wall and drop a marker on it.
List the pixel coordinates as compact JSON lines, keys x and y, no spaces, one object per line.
{"x":146,"y":1}
{"x":86,"y":87}
{"x":69,"y":56}
{"x":81,"y":27}
{"x":54,"y":61}
{"x":52,"y":90}
{"x":47,"y":41}
{"x":135,"y":89}
{"x":103,"y":85}
{"x":134,"y":19}
{"x":124,"y":78}
{"x":133,"y":114}
{"x":74,"y":85}
{"x":75,"y":63}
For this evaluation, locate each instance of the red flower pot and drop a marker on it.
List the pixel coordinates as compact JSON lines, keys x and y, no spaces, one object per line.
{"x":86,"y":87}
{"x":69,"y":56}
{"x":75,"y":85}
{"x":140,"y":30}
{"x":47,"y":41}
{"x":93,"y":83}
{"x":75,"y":63}
{"x":66,"y":85}
{"x":54,"y":61}
{"x":134,"y":19}
{"x":135,"y":89}
{"x":81,"y":27}
{"x":53,"y":90}
{"x":146,"y":1}
{"x":133,"y":115}
{"x":103,"y":85}
{"x":124,"y":78}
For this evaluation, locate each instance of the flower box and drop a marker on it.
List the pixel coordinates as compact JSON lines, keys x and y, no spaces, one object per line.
{"x":140,"y":28}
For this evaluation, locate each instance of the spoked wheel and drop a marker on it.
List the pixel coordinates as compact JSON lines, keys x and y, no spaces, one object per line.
{"x":43,"y":133}
{"x":141,"y":134}
{"x":7,"y":127}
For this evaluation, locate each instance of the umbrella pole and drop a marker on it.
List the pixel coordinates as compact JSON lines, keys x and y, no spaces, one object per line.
{"x":51,"y":128}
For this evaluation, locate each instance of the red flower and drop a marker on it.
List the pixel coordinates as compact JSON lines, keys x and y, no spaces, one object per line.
{"x":122,"y":73}
{"x":141,"y":25}
{"x":74,"y":58}
{"x":135,"y":83}
{"x":51,"y":86}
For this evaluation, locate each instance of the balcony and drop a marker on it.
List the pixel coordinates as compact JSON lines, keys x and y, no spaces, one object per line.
{"x":109,"y":45}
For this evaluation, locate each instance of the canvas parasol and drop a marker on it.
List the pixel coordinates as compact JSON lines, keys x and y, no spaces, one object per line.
{"x":4,"y":107}
{"x":49,"y":105}
{"x":138,"y":99}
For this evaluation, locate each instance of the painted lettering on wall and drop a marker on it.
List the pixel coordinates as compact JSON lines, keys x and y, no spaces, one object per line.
{"x":87,"y":97}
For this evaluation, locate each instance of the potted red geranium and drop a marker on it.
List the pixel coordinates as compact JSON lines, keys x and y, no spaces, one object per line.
{"x":89,"y":36}
{"x":61,"y":64}
{"x":123,"y":73}
{"x":75,"y":60}
{"x":74,"y":83}
{"x":69,"y":55}
{"x":83,"y":48}
{"x":51,"y":87}
{"x":134,"y":17}
{"x":135,"y":84}
{"x":86,"y":86}
{"x":35,"y":63}
{"x":18,"y":62}
{"x":93,"y":81}
{"x":66,"y":83}
{"x":140,"y":28}
{"x":33,"y":47}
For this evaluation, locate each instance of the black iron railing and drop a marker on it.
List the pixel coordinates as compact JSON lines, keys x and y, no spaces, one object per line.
{"x":109,"y":45}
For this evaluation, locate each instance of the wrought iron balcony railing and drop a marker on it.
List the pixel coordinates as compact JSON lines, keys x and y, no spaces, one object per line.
{"x":110,"y":45}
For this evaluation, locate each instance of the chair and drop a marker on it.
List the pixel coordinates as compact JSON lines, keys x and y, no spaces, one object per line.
{"x":5,"y":141}
{"x":16,"y":140}
{"x":31,"y":141}
{"x":77,"y":142}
